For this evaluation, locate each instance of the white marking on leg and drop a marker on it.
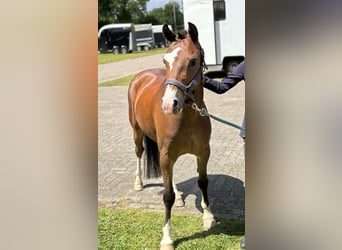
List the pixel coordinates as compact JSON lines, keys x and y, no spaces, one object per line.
{"x":167,"y":234}
{"x":171,"y":56}
{"x":178,"y":199}
{"x":174,"y":187}
{"x":208,"y":217}
{"x":138,"y":184}
{"x":206,"y":211}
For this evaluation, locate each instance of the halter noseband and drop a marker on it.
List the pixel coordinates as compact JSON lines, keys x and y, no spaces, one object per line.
{"x":188,"y":88}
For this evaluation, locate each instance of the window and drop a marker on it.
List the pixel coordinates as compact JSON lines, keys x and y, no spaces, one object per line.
{"x":219,"y":10}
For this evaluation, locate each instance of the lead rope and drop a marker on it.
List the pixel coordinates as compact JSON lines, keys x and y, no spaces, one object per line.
{"x":204,"y":112}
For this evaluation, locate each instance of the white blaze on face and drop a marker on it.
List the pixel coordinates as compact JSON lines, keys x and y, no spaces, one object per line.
{"x":170,"y":57}
{"x":172,"y":101}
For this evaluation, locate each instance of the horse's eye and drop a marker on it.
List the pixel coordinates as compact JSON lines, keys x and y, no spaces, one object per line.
{"x":193,"y":62}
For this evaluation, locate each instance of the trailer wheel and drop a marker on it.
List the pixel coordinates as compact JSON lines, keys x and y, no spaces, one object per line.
{"x":162,"y":46}
{"x":138,"y":48}
{"x":116,"y":51}
{"x":124,"y":50}
{"x":146,"y":48}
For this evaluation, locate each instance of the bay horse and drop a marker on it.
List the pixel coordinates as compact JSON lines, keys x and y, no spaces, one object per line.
{"x":161,"y":115}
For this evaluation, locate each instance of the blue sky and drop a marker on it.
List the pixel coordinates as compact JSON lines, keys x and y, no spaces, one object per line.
{"x":159,"y":3}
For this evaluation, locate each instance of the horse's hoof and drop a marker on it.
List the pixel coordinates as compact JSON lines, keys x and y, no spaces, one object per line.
{"x":209,"y":223}
{"x":166,"y":247}
{"x":138,"y":187}
{"x":179,"y":202}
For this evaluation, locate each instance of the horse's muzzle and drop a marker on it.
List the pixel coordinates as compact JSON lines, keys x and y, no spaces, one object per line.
{"x":172,"y":101}
{"x":171,"y":106}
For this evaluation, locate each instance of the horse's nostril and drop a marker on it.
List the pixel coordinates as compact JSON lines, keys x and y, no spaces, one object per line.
{"x":175,"y":103}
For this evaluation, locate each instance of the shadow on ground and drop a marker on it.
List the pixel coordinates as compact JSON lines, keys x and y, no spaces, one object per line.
{"x":226,"y":195}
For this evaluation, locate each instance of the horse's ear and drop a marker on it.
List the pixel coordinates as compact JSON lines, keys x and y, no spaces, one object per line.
{"x":193,"y":32}
{"x":168,"y":34}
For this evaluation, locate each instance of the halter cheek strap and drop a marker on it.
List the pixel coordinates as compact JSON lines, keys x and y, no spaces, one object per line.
{"x":186,"y":89}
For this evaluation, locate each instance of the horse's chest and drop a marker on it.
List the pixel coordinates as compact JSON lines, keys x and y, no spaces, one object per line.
{"x":191,"y":138}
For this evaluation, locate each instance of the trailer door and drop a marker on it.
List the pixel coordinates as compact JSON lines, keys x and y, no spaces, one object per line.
{"x":201,"y":13}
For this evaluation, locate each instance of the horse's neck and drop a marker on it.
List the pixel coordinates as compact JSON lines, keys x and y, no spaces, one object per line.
{"x":199,"y":96}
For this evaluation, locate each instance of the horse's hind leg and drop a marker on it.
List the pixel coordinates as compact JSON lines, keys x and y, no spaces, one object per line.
{"x":179,"y":200}
{"x":208,"y":217}
{"x":138,"y":140}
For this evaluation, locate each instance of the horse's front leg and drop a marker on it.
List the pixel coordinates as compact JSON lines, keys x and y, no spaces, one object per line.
{"x":168,"y":198}
{"x":208,"y":217}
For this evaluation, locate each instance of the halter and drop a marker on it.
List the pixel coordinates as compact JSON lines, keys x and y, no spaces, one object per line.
{"x":188,"y":88}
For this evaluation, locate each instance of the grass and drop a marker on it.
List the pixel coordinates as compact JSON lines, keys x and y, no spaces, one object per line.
{"x":130,"y":229}
{"x":109,"y":57}
{"x":118,"y":82}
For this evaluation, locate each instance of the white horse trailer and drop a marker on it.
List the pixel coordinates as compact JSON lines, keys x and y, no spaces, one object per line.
{"x":144,"y":36}
{"x":159,"y":39}
{"x":221,"y":26}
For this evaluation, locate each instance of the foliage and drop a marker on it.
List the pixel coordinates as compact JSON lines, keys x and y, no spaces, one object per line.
{"x":165,"y":15}
{"x":134,"y":11}
{"x":158,"y":14}
{"x":121,"y":11}
{"x":170,"y":9}
{"x":137,"y":9}
{"x":138,"y":229}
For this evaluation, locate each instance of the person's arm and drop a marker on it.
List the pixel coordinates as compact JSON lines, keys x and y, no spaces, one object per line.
{"x":226,"y":83}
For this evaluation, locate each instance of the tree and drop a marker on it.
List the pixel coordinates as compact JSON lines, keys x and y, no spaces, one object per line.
{"x":158,"y":14}
{"x":121,"y":11}
{"x":137,"y":10}
{"x":166,"y":15}
{"x":173,"y":15}
{"x":134,"y":11}
{"x":105,"y":12}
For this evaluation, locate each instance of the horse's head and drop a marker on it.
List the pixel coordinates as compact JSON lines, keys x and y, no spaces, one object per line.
{"x":183,"y":62}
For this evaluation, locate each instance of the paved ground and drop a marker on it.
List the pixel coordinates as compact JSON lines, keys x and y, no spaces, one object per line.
{"x":116,"y":70}
{"x":117,"y":160}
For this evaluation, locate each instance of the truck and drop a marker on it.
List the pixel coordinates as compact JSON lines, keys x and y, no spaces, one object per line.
{"x":159,"y":39}
{"x":117,"y":38}
{"x":144,"y":36}
{"x":221,"y":28}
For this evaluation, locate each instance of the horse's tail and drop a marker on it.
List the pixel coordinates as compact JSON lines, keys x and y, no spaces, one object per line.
{"x":152,"y":165}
